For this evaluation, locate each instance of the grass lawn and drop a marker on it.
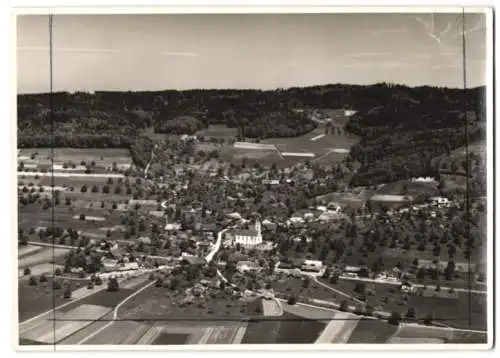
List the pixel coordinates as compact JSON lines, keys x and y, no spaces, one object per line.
{"x":372,"y":331}
{"x":170,"y":339}
{"x":34,"y":300}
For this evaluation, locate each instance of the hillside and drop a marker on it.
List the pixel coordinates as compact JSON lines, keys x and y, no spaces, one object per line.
{"x":402,"y":129}
{"x":401,"y":138}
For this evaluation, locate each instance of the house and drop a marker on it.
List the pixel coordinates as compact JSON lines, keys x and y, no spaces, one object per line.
{"x":312,"y":265}
{"x":209,"y":227}
{"x":173,"y":226}
{"x":270,"y":181}
{"x":186,"y":137}
{"x":246,"y":266}
{"x":295,"y":221}
{"x":352,"y":269}
{"x":193,"y":260}
{"x":145,"y":240}
{"x":109,"y":265}
{"x":127,"y":266}
{"x":249,"y":238}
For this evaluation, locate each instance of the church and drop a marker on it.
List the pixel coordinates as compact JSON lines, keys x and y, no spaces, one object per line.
{"x":249,"y":238}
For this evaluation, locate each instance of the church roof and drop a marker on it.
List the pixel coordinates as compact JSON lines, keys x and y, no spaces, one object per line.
{"x":246,"y":233}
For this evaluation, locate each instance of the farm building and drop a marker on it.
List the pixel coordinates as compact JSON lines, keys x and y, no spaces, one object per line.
{"x":246,"y":266}
{"x":312,"y":265}
{"x":209,"y":227}
{"x":186,"y":137}
{"x":352,"y":269}
{"x":270,"y":181}
{"x":145,"y":240}
{"x":193,"y":260}
{"x":173,"y":226}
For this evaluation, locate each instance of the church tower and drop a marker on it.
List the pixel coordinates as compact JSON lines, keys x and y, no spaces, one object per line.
{"x":258,"y":227}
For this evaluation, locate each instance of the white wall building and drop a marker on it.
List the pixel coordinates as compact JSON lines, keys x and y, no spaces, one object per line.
{"x":249,"y":238}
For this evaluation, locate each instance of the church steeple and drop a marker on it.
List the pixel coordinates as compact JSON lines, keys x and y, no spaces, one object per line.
{"x":258,"y":227}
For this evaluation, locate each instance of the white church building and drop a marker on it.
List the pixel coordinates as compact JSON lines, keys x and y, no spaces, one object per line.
{"x":249,"y":238}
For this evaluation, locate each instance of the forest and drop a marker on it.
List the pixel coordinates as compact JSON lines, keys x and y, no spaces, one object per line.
{"x":401,"y":128}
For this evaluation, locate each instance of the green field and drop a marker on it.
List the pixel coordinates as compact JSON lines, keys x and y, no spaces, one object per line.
{"x":217,"y":131}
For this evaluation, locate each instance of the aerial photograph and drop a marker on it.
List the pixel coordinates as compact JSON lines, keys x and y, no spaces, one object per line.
{"x":252,"y":178}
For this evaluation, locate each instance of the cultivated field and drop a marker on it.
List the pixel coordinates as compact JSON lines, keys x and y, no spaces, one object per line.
{"x":101,"y":157}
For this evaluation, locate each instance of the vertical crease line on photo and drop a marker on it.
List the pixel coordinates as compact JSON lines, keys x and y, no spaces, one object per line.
{"x":467,"y":169}
{"x":51,"y":111}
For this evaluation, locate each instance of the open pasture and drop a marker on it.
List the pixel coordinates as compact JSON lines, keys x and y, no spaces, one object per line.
{"x":105,"y":298}
{"x":44,"y":255}
{"x":163,"y":303}
{"x":453,"y":312}
{"x":327,"y":147}
{"x":77,"y":155}
{"x":217,"y":131}
{"x":39,"y":298}
{"x":408,"y":187}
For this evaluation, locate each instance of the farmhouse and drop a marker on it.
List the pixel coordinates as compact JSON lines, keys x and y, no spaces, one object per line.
{"x":145,"y":240}
{"x":193,"y":260}
{"x":246,"y":266}
{"x":186,"y":137}
{"x":249,"y":238}
{"x":270,"y":181}
{"x":312,"y":265}
{"x":173,"y":226}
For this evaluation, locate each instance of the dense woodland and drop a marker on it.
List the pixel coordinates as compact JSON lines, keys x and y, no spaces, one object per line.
{"x":401,"y":128}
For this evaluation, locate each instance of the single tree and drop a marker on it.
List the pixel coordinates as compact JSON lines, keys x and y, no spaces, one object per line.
{"x":395,"y":318}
